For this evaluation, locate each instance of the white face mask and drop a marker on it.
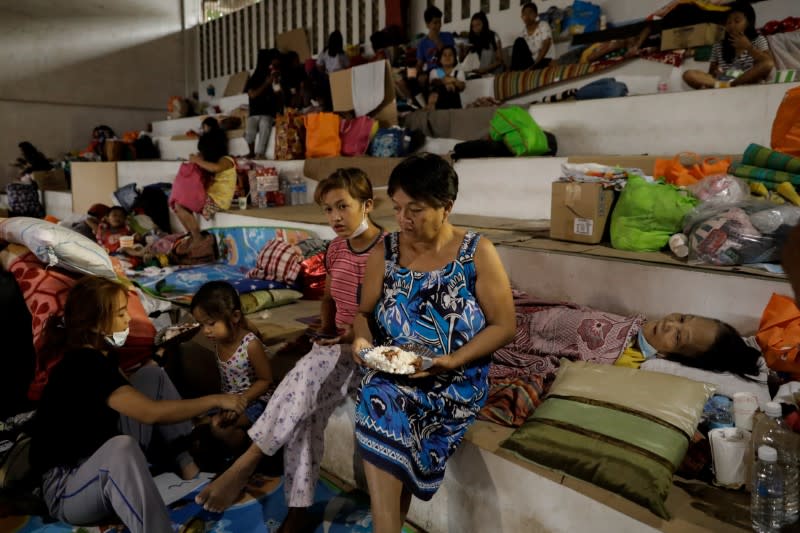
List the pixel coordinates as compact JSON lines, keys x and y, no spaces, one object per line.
{"x":118,"y":338}
{"x":364,"y":226}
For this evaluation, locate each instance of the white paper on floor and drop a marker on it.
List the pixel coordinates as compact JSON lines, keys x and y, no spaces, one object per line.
{"x":172,"y":488}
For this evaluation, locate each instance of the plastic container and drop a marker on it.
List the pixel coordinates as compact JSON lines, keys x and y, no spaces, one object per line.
{"x":772,"y":431}
{"x":766,"y":499}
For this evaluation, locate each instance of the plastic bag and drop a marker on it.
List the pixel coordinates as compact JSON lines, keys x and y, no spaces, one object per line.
{"x":517,"y":129}
{"x":726,"y":235}
{"x":687,"y":168}
{"x":647,"y":214}
{"x":721,"y":189}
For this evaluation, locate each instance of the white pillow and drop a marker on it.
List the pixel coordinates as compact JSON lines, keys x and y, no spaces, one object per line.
{"x":56,"y":245}
{"x":727,"y":384}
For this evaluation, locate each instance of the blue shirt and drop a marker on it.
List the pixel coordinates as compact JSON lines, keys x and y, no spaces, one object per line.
{"x":427,"y":50}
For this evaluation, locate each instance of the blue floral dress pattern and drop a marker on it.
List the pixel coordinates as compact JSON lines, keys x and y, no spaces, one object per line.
{"x":410,"y":427}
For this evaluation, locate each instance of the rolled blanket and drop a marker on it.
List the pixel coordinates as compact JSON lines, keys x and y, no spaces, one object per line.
{"x":765,"y":175}
{"x":761,"y":156}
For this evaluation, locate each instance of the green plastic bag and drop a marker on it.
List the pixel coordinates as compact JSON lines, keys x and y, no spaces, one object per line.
{"x":518,"y":131}
{"x":648,"y":214}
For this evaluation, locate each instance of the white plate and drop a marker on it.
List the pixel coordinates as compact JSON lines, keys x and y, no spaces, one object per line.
{"x":427,"y":361}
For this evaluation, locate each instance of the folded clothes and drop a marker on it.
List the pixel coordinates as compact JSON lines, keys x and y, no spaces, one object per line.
{"x":766,"y":175}
{"x":763,"y":157}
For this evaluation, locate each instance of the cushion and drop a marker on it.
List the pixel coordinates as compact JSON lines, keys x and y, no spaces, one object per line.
{"x":242,"y":245}
{"x":126,"y":196}
{"x":727,"y":384}
{"x":619,"y":428}
{"x":45,"y":292}
{"x":58,"y":246}
{"x":278,"y":261}
{"x":258,"y":300}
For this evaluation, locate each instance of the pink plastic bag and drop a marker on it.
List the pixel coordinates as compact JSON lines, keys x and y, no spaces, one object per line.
{"x":188,"y":189}
{"x":355,"y":135}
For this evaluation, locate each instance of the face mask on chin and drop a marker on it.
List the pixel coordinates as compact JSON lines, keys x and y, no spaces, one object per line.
{"x":118,"y":338}
{"x":648,"y":351}
{"x":364,"y":226}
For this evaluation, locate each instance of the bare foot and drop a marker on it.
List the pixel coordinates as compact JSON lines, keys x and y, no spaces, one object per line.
{"x":190,"y":471}
{"x":226,"y":489}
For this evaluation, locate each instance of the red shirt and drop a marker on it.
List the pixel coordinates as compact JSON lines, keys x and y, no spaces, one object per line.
{"x":346,"y":270}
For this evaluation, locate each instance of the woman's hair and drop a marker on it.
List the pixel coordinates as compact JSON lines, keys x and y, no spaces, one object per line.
{"x":219,"y":300}
{"x":485,"y":39}
{"x":213,"y":144}
{"x":88,"y":314}
{"x":728,"y":51}
{"x":728,"y":353}
{"x":352,"y":180}
{"x":265,"y":58}
{"x":335,"y":43}
{"x":425,"y":177}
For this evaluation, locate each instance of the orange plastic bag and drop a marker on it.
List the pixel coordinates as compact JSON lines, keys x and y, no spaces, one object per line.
{"x":322,"y":135}
{"x":786,"y":126}
{"x":779,"y":334}
{"x":687,"y":168}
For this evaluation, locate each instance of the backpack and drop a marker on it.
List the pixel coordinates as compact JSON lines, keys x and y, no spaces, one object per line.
{"x":516,"y":128}
{"x":388,"y":142}
{"x":23,"y":200}
{"x":786,"y":126}
{"x":602,"y":88}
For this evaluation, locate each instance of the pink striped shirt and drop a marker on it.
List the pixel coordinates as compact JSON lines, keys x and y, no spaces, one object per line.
{"x":346,"y":270}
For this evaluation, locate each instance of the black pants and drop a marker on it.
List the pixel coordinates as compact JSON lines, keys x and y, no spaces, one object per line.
{"x":522,"y":59}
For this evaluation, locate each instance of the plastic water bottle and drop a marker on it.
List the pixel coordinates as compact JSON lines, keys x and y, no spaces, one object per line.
{"x":298,"y":188}
{"x":766,"y":503}
{"x":773,"y":432}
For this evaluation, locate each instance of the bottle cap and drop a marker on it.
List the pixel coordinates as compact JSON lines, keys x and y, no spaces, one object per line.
{"x":767,"y":454}
{"x":773,"y":410}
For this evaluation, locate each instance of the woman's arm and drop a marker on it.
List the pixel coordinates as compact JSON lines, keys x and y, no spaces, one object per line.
{"x":130,"y":402}
{"x":258,"y":91}
{"x":543,"y":50}
{"x":263,"y":371}
{"x":371,"y":290}
{"x":493,"y":292}
{"x":215,"y":168}
{"x":498,"y":56}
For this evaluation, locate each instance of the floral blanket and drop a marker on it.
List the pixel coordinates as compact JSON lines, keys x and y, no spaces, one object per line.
{"x":522,"y":371}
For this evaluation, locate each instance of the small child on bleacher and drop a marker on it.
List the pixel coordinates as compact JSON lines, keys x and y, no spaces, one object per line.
{"x":447,"y":81}
{"x":742,"y":57}
{"x":111,"y":227}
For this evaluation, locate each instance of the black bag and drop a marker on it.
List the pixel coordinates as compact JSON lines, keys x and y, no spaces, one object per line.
{"x":480,"y":148}
{"x":144,"y":148}
{"x":23,"y":200}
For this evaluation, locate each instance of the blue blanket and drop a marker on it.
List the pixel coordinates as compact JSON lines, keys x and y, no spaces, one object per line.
{"x":338,"y":512}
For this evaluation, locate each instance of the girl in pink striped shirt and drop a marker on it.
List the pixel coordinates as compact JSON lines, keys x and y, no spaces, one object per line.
{"x":301,"y":405}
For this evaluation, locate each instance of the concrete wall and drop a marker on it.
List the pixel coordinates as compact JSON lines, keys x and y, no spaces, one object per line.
{"x":67,"y":65}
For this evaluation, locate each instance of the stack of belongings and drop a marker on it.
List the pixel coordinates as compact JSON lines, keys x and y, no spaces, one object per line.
{"x":767,"y":170}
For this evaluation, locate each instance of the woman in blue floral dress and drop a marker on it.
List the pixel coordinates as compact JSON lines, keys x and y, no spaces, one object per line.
{"x":441,"y":287}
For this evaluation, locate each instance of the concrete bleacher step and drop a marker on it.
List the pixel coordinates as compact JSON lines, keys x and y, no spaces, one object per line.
{"x":718,"y":121}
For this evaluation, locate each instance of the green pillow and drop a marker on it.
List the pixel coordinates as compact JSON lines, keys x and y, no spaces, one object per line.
{"x":621,"y":429}
{"x":267,"y":299}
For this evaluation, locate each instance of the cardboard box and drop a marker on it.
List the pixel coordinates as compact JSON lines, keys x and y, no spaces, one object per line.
{"x":691,"y":36}
{"x":236,"y":83}
{"x":342,"y":96}
{"x":579,"y":211}
{"x":295,"y":41}
{"x":51,"y":180}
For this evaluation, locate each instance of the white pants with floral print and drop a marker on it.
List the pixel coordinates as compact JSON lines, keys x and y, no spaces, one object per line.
{"x":297,"y":413}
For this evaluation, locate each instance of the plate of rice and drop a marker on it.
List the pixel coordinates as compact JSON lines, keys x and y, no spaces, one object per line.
{"x":177,"y":334}
{"x":396,"y":360}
